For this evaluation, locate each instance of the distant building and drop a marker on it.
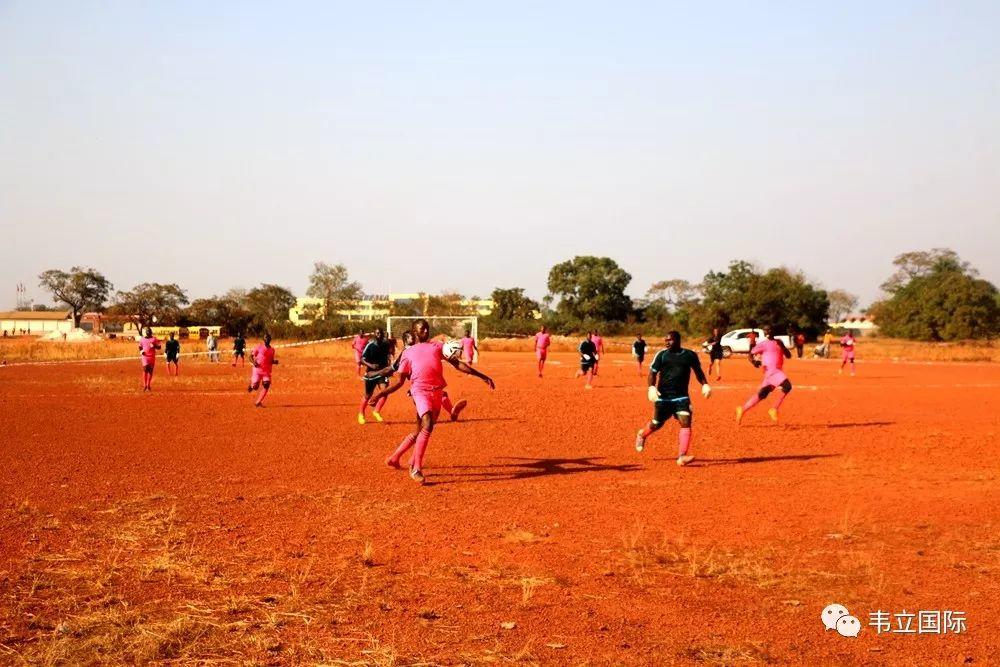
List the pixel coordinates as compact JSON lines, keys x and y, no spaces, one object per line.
{"x":378,"y":306}
{"x":35,"y":323}
{"x":861,"y":325}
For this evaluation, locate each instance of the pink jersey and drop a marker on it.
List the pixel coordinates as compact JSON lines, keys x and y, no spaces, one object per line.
{"x":422,"y":362}
{"x":359,"y":343}
{"x":147,"y":347}
{"x":598,"y":343}
{"x":542,"y":341}
{"x":263,"y":355}
{"x":772,"y":355}
{"x":847,"y":342}
{"x":468,"y":346}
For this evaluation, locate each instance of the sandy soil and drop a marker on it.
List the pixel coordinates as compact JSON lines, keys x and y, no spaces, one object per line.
{"x":185,"y":525}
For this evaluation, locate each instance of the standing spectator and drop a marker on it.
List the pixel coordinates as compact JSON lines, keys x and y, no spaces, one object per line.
{"x":212,"y":344}
{"x":239,"y":349}
{"x":800,"y":342}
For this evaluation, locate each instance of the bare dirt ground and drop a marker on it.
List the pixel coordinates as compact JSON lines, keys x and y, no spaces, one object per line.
{"x":187,"y":526}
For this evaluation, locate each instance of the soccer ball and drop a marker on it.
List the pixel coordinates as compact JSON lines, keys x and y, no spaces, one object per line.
{"x":451,"y":348}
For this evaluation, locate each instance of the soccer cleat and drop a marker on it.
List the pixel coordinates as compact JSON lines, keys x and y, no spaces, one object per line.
{"x":685,"y":459}
{"x":456,"y":409}
{"x":773,"y":414}
{"x":640,"y":442}
{"x":417,"y":476}
{"x":361,"y":419}
{"x":249,"y":388}
{"x":587,"y":387}
{"x":739,"y":414}
{"x":377,"y":417}
{"x":840,"y":371}
{"x":392,"y":464}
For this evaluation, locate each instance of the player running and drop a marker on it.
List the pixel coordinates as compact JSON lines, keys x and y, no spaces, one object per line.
{"x":469,"y":347}
{"x":639,"y":351}
{"x":588,"y":360}
{"x":374,"y":357}
{"x":148,"y":345}
{"x":172,"y":350}
{"x":715,"y":353}
{"x":262,"y":359}
{"x":599,"y":347}
{"x":542,"y":342}
{"x":421,"y":363}
{"x":358,"y":344}
{"x":239,"y":349}
{"x":847,"y":351}
{"x":772,"y":356}
{"x":669,"y":376}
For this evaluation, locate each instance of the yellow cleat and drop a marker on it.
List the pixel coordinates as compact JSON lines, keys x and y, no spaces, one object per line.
{"x":773,"y":414}
{"x":739,"y":414}
{"x":377,"y":417}
{"x":361,"y":419}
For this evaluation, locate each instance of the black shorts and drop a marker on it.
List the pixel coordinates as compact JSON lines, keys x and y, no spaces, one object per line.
{"x":665,"y":408}
{"x":639,"y":357}
{"x":715,"y":353}
{"x":239,"y":353}
{"x":587,"y":366}
{"x":171,"y":358}
{"x":373,"y":384}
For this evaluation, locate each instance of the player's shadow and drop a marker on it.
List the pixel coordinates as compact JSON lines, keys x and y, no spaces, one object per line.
{"x":531,"y":468}
{"x":760,"y":459}
{"x":859,"y":424}
{"x":289,"y":406}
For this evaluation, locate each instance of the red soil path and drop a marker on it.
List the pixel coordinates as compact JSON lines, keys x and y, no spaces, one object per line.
{"x":187,"y":525}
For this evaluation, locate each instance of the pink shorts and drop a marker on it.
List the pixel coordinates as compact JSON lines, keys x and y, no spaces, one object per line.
{"x":427,"y":400}
{"x":148,"y":362}
{"x":849,"y":355}
{"x":357,"y":357}
{"x":257,"y":375}
{"x":542,"y":354}
{"x":773,"y":378}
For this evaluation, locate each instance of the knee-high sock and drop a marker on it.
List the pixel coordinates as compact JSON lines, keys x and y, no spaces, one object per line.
{"x":379,"y":404}
{"x":781,"y":399}
{"x":648,"y":431}
{"x":683,"y":441}
{"x":446,"y":402}
{"x":363,"y":406}
{"x":541,"y":365}
{"x":403,"y":447}
{"x":419,"y":448}
{"x":262,"y":394}
{"x":752,"y":401}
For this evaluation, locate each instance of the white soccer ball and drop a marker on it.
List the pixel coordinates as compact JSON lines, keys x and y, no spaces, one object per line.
{"x":451,"y":348}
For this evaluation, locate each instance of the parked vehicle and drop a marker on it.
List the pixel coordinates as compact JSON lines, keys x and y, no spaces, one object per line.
{"x":737,"y":341}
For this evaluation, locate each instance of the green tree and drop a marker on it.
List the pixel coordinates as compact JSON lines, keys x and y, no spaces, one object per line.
{"x":269,"y":304}
{"x":79,"y":288}
{"x":448,"y":303}
{"x":841,"y":304}
{"x":512,"y":304}
{"x":944,"y":302}
{"x":334,"y":286}
{"x":919,"y":263}
{"x":225,"y":311}
{"x":591,"y":288}
{"x":149,"y":303}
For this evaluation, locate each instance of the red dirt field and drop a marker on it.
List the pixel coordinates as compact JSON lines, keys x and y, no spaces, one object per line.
{"x":186,"y":526}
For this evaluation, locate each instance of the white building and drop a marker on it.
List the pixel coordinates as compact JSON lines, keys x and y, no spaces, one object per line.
{"x":35,"y":323}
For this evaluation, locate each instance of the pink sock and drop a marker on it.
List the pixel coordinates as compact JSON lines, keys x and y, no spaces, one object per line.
{"x":646,"y":432}
{"x":752,"y":401}
{"x":262,"y":394}
{"x":446,"y":402}
{"x":379,"y":404}
{"x":781,"y":399}
{"x":364,"y":404}
{"x":403,"y":447}
{"x":684,"y":441}
{"x":418,"y":450}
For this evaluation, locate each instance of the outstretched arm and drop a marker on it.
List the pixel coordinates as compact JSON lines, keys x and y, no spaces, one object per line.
{"x":463,"y":367}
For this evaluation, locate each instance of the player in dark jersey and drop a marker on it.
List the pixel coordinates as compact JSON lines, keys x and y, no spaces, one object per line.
{"x":172,"y":350}
{"x":588,"y":360}
{"x":715,"y":353}
{"x":669,"y":375}
{"x":639,"y":351}
{"x":239,"y":349}
{"x":374,"y":357}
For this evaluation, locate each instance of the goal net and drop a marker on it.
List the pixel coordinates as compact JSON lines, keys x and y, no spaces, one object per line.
{"x":447,"y":326}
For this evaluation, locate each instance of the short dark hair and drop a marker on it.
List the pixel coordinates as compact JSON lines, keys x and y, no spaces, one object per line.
{"x":672,"y":335}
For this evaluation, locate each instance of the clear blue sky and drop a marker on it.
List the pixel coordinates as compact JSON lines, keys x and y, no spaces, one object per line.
{"x":463,"y":146}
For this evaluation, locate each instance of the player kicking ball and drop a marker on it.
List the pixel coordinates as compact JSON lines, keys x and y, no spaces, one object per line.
{"x":422,"y":364}
{"x":262,"y":359}
{"x":772,"y":356}
{"x":669,"y":376}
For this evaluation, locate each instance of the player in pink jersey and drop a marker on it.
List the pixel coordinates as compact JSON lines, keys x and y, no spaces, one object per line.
{"x":358,"y":344}
{"x":599,"y":346}
{"x":422,"y":364}
{"x":148,"y":345}
{"x":262,"y":359}
{"x":847,"y":351}
{"x":542,"y":342}
{"x":469,"y":347}
{"x":772,"y":356}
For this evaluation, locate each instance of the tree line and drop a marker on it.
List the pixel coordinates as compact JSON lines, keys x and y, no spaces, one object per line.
{"x":932,"y":295}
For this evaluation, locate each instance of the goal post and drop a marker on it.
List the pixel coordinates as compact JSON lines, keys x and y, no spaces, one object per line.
{"x":449,"y":326}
